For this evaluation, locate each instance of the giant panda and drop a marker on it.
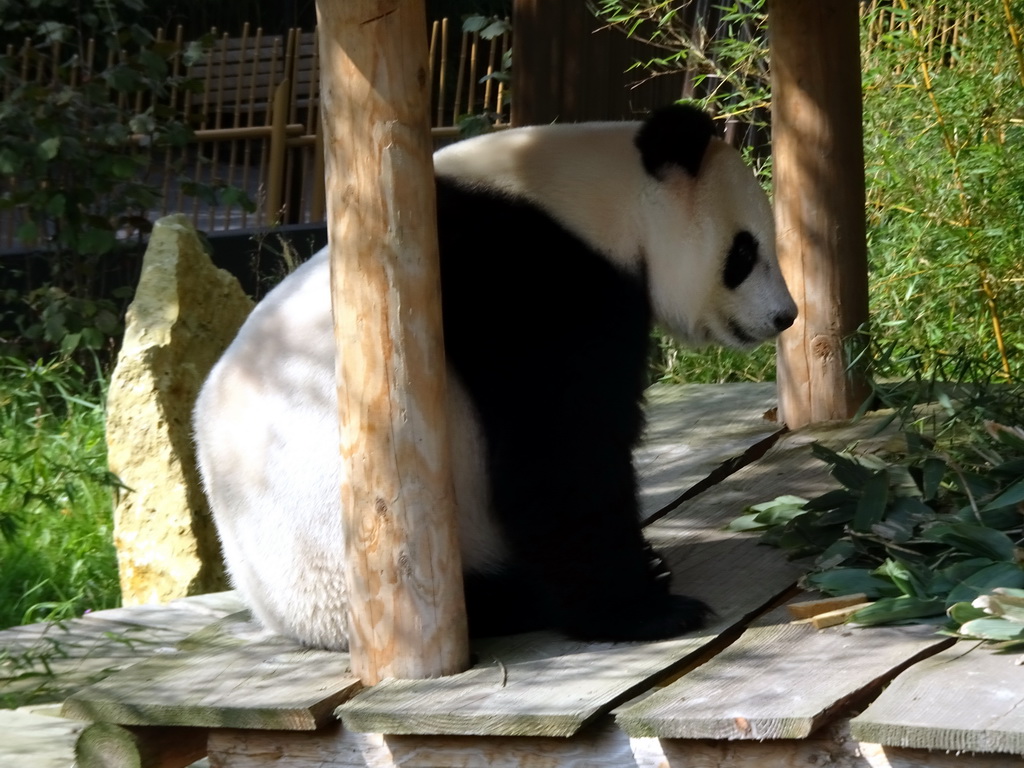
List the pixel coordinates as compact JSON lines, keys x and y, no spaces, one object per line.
{"x":560,"y":245}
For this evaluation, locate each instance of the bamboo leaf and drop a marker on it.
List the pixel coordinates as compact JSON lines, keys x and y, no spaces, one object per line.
{"x":848,"y":472}
{"x":972,"y":539}
{"x":1012,"y":495}
{"x":830,"y":500}
{"x":933,"y":470}
{"x":992,"y":629}
{"x":985,"y":580}
{"x":745,"y":523}
{"x":898,"y":609}
{"x":1008,"y":607}
{"x":961,"y":613}
{"x":872,"y":503}
{"x":907,"y":579}
{"x":849,"y":581}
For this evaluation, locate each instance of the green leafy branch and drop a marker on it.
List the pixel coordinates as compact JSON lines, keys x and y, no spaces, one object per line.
{"x":935,"y":532}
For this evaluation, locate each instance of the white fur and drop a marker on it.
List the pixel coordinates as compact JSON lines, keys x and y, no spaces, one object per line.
{"x":266,"y":419}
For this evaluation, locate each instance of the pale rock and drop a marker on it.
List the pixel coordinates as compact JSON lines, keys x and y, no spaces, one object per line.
{"x":184,"y":314}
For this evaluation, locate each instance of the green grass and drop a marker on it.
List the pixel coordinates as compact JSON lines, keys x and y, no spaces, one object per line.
{"x":57,"y":556}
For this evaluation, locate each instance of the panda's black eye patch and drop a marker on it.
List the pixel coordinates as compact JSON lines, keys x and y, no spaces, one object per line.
{"x":741,"y":260}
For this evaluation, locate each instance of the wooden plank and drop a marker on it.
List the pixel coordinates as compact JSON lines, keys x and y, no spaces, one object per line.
{"x":685,"y":440}
{"x":545,"y":685}
{"x":239,"y":676}
{"x":780,"y":680}
{"x":600,"y":747}
{"x":965,"y":699}
{"x":184,"y":615}
{"x":215,"y":604}
{"x":37,"y":741}
{"x":45,"y":662}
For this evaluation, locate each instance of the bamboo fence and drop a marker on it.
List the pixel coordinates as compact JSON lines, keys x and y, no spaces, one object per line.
{"x":256,"y":119}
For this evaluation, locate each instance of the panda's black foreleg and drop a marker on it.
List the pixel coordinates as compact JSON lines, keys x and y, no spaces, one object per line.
{"x":503,"y":602}
{"x":575,"y":536}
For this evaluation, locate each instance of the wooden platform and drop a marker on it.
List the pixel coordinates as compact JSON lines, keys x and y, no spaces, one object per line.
{"x":753,"y":689}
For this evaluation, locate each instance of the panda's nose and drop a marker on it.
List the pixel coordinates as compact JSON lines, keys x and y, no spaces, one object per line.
{"x":783,"y":320}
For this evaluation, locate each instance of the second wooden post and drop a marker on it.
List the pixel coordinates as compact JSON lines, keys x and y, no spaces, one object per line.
{"x":819,"y":203}
{"x":407,"y":616}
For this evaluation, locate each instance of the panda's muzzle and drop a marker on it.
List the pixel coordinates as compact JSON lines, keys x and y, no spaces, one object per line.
{"x":741,"y":335}
{"x":783,"y":320}
{"x":779,"y":322}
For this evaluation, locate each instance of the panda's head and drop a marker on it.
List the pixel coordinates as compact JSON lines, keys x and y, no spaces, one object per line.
{"x":708,"y":236}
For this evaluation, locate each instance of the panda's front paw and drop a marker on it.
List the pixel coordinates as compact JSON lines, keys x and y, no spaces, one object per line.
{"x":672,"y":616}
{"x":652,"y":617}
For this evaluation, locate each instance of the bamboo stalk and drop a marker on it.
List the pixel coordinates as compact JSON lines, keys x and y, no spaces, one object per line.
{"x":488,"y":83}
{"x":474,"y":50}
{"x":505,"y":41}
{"x":1015,"y":39}
{"x":277,"y":148}
{"x":460,"y":78}
{"x":249,"y":119}
{"x":984,"y":277}
{"x":236,"y":118}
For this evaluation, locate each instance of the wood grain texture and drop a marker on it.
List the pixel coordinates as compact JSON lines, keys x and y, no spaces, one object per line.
{"x":684,"y":441}
{"x":234,"y":675}
{"x":819,"y":203}
{"x":105,"y":745}
{"x":46,"y":662}
{"x":407,"y":615}
{"x":965,"y":699}
{"x":602,"y":746}
{"x":545,"y":685}
{"x":778,"y":681}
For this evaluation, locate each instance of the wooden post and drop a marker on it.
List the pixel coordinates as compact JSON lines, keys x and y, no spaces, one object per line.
{"x":819,"y":203}
{"x":407,"y":616}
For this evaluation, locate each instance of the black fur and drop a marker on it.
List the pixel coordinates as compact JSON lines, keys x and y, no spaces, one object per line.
{"x":741,"y":260}
{"x":550,"y":340}
{"x":676,"y":135}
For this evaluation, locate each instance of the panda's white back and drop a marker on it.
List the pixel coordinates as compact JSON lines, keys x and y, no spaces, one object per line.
{"x":268,"y":451}
{"x":266,"y":425}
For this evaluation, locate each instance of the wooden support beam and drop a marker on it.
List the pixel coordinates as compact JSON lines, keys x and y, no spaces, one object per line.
{"x":407,"y":614}
{"x":819,"y":204}
{"x":106,"y":745}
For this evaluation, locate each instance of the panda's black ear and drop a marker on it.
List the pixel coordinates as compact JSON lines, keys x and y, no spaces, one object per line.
{"x":674,"y":135}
